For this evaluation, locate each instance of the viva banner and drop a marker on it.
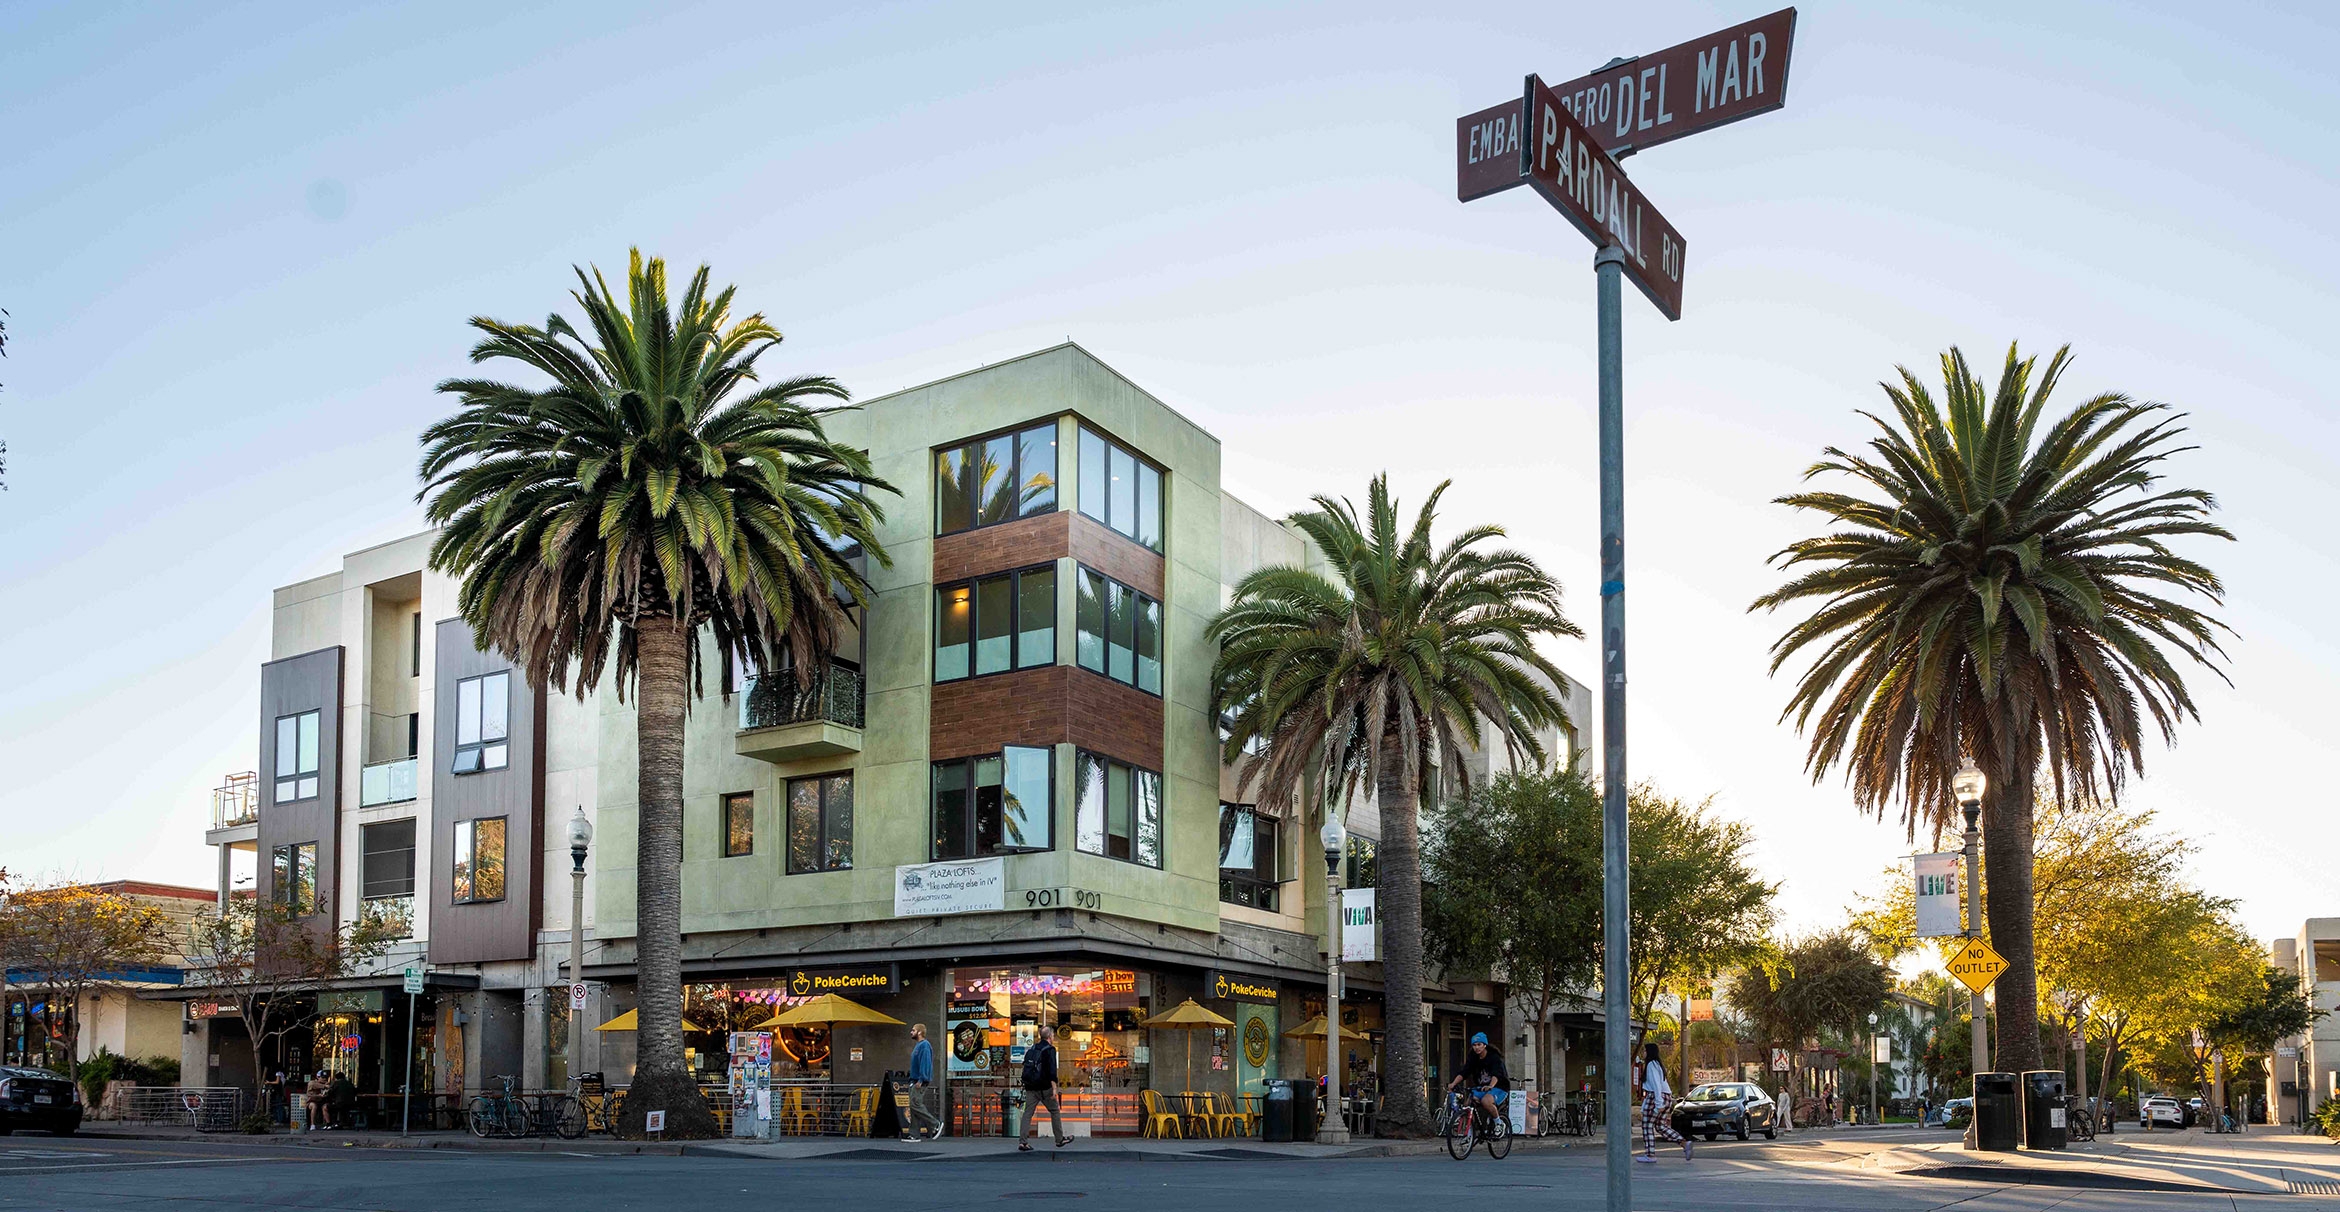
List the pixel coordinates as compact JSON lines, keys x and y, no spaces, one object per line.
{"x":1359,"y":930}
{"x":1937,"y":895}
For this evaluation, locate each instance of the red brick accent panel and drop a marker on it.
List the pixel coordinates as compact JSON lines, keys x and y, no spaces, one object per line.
{"x":1009,"y":545}
{"x":1044,"y":707}
{"x":1116,"y":556}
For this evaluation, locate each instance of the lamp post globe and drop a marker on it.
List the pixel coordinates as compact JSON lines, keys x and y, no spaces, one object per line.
{"x":580,"y":836}
{"x":1335,"y":837}
{"x":1968,"y":786}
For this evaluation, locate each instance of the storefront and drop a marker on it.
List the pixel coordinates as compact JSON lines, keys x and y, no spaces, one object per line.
{"x":361,"y":1034}
{"x":993,"y":1015}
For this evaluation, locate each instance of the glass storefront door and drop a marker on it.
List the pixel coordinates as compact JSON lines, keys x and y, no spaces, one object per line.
{"x":1255,"y":1047}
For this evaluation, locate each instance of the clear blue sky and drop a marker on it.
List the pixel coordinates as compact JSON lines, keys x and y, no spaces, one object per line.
{"x":238,"y":250}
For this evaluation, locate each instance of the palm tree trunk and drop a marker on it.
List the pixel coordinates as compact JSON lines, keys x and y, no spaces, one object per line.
{"x":662,"y":1080}
{"x":2007,"y":864}
{"x":1403,"y":1109}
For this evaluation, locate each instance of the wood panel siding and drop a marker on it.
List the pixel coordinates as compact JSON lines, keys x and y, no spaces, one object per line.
{"x":1046,"y":706}
{"x":477,"y":932}
{"x":1116,"y":555}
{"x":1017,"y":544}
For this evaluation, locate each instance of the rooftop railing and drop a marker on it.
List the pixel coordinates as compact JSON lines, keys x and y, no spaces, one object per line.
{"x":236,"y":801}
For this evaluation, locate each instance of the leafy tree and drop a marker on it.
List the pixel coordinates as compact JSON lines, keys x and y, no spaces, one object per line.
{"x":1823,"y":982}
{"x":75,"y":939}
{"x":2278,"y":1005}
{"x":601,"y":520}
{"x":1698,"y":908}
{"x":2008,"y":593}
{"x":1377,"y":672}
{"x":272,"y":964}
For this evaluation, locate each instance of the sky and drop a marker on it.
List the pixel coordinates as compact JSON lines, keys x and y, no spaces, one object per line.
{"x":238,"y":248}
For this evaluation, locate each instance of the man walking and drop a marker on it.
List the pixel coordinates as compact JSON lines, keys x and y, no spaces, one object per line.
{"x":1040,"y":1091}
{"x":924,"y":1123}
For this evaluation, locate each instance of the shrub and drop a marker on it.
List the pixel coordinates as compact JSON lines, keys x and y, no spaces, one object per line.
{"x":2326,"y":1118}
{"x":1959,"y":1118}
{"x":254,"y":1123}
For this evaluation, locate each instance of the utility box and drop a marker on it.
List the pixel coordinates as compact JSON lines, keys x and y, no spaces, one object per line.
{"x":1998,"y":1114}
{"x":2043,"y":1109}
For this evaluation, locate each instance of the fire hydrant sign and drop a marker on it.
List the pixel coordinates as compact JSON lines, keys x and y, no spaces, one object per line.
{"x":1566,"y":164}
{"x":1976,"y":965}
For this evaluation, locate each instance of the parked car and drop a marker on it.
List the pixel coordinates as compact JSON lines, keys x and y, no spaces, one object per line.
{"x":2160,"y":1111}
{"x":2193,"y":1109}
{"x":1956,"y":1112}
{"x":37,"y":1098}
{"x":1739,"y":1108}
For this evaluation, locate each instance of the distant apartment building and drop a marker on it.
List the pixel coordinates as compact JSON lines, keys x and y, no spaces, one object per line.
{"x":2305,"y":1070}
{"x":1000,"y":805}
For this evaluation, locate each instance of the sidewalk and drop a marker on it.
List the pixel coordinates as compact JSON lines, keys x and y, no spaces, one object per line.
{"x":2263,"y":1161}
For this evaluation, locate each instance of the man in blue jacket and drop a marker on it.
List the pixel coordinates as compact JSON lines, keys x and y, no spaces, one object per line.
{"x":921,"y":1081}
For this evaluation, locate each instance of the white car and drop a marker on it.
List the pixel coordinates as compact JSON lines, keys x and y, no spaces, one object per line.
{"x":2161,"y":1111}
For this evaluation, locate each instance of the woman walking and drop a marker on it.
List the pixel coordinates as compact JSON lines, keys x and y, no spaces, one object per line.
{"x":1656,"y":1094}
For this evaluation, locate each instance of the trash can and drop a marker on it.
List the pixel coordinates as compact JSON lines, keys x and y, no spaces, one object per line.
{"x":1998,"y":1114}
{"x":2043,"y":1109}
{"x":1304,"y":1100}
{"x":1276,"y":1116}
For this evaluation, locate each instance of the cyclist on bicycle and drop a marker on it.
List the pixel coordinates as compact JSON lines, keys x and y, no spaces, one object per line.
{"x":1484,"y":1073}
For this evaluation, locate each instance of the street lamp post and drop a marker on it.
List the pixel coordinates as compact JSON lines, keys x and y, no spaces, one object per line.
{"x":1335,"y":1129}
{"x":1873,"y":1062}
{"x":1967,"y":785}
{"x":580,"y":840}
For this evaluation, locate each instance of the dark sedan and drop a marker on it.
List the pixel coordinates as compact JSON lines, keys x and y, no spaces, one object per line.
{"x":37,"y":1098}
{"x":1739,"y":1108}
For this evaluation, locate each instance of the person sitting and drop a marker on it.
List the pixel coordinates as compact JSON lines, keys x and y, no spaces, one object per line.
{"x":314,"y":1100}
{"x":342,"y":1094}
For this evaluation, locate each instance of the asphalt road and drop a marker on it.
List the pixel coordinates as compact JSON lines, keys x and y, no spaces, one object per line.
{"x":38,"y":1172}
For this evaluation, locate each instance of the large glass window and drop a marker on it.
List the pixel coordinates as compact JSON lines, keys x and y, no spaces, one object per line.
{"x":997,"y":479}
{"x":1248,"y":868}
{"x":296,"y":757}
{"x":994,"y":803}
{"x":1364,"y":863}
{"x":1118,"y":632}
{"x":483,"y":712}
{"x":293,"y":878}
{"x":739,"y":824}
{"x":1120,"y":490}
{"x":389,"y":859}
{"x":477,"y":873}
{"x":820,"y":824}
{"x":1117,"y":810}
{"x":995,"y":624}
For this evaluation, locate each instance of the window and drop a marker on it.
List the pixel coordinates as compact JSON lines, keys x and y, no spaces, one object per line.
{"x":1118,"y":632}
{"x":296,"y":757}
{"x":483,"y":710}
{"x":820,"y":824}
{"x":739,"y":824}
{"x":995,"y":624}
{"x":994,"y":805}
{"x":997,"y":479}
{"x":389,"y":859}
{"x":415,"y":666}
{"x":1364,"y":867}
{"x":1117,"y":810}
{"x":293,"y":878}
{"x":1120,"y":490}
{"x":478,"y":870}
{"x":1248,"y":854}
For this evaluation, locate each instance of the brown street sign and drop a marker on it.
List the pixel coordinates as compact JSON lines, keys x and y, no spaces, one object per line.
{"x":1656,"y":98}
{"x":1561,"y":159}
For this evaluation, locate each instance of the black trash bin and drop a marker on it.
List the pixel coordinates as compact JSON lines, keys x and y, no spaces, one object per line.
{"x":1303,"y":1110}
{"x":2043,"y":1109}
{"x":1275,"y":1122}
{"x":1998,"y":1114}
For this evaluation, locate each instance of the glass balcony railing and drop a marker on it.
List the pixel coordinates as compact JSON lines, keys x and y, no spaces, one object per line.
{"x":386,"y":783}
{"x":236,"y":802}
{"x":780,"y":697}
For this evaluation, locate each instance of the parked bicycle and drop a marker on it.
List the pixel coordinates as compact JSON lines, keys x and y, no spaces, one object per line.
{"x":1466,"y":1126}
{"x":598,"y":1106}
{"x":500,"y":1114}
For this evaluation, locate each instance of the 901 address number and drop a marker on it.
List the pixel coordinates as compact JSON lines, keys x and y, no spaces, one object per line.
{"x":1058,"y":898}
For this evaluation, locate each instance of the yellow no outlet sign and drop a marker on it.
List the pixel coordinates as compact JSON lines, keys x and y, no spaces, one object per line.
{"x":1976,"y":965}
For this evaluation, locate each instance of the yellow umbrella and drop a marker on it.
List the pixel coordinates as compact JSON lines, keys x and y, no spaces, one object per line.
{"x":1314,"y":1029}
{"x":828,"y":1008}
{"x":628,"y":1022}
{"x":1188,"y":1016}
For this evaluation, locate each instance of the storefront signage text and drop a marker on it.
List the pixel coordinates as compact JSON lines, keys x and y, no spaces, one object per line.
{"x":1063,"y":898}
{"x":865,"y":979}
{"x":350,"y":1001}
{"x":1240,"y":988}
{"x":959,"y":886}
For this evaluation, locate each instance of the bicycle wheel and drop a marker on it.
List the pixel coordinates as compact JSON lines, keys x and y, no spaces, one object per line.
{"x":515,"y":1118}
{"x":1498,"y":1138}
{"x":481,"y":1117}
{"x":570,"y":1123}
{"x":1459,"y":1136}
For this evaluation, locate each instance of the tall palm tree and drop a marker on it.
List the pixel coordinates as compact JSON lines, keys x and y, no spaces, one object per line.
{"x":599,"y":520}
{"x":1380,"y":673}
{"x":2006,"y":591}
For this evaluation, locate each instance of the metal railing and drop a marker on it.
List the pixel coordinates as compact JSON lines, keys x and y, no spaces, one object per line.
{"x":780,"y":697}
{"x":204,"y":1108}
{"x":236,"y":801}
{"x":818,"y":1108}
{"x":386,"y":783}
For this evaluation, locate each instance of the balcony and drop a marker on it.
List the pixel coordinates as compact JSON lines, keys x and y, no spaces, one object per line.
{"x":386,"y":783}
{"x":236,"y":801}
{"x":783,"y":718}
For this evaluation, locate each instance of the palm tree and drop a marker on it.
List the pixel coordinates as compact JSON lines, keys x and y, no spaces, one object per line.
{"x":2007,"y":593}
{"x":600,"y":520}
{"x":1379,"y":673}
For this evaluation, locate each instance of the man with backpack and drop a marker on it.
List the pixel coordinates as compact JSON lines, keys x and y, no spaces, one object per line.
{"x":1040,"y":1091}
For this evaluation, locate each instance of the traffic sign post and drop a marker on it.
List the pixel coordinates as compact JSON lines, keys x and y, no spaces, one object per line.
{"x":1564,"y":142}
{"x":414,"y":985}
{"x":1976,"y":965}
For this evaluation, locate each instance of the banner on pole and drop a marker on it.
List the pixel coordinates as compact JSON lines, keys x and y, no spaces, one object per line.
{"x":1937,"y":894}
{"x":1360,"y":931}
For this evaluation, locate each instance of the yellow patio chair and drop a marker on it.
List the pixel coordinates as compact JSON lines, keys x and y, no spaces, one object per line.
{"x":864,"y":1110}
{"x":1225,"y":1121}
{"x":1159,"y":1120}
{"x":1194,"y":1114}
{"x":796,"y":1119}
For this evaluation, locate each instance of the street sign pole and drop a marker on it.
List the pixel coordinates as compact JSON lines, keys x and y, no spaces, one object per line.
{"x":406,"y":1090}
{"x":1617,"y":1034}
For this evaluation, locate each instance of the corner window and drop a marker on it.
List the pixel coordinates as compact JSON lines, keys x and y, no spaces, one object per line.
{"x":995,"y":624}
{"x":296,"y":757}
{"x":1117,"y":632}
{"x":293,"y":878}
{"x":994,"y":804}
{"x":1117,"y":810}
{"x":820,"y":824}
{"x":739,"y":824}
{"x":1120,"y":490}
{"x":997,"y":479}
{"x":478,"y":870}
{"x":1248,"y":853}
{"x":483,"y":713}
